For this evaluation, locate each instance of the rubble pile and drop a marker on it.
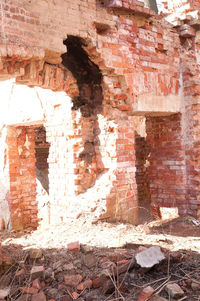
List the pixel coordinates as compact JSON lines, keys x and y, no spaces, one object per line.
{"x":85,"y":273}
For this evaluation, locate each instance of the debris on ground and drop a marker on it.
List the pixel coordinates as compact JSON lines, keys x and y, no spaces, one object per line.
{"x":84,"y":272}
{"x":174,"y":290}
{"x":149,"y":257}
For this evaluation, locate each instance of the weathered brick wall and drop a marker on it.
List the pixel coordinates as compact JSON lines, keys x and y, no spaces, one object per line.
{"x":195,"y":4}
{"x":136,"y":58}
{"x":21,"y":152}
{"x":191,"y":92}
{"x":131,"y":42}
{"x":167,"y":171}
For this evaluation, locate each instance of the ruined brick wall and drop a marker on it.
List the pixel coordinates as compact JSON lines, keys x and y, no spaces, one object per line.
{"x":132,"y":61}
{"x":190,"y":67}
{"x":166,"y":172}
{"x":22,"y":194}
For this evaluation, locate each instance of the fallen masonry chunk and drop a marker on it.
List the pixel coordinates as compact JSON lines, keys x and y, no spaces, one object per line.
{"x":36,"y":284}
{"x":98,"y":282}
{"x":4,"y":293}
{"x":124,"y":266}
{"x":143,"y":229}
{"x":75,"y":295}
{"x":149,"y":257}
{"x":84,"y":285}
{"x":37,"y":272}
{"x":74,"y":246}
{"x":73,"y":280}
{"x":89,"y":260}
{"x":146,"y":293}
{"x":174,"y":290}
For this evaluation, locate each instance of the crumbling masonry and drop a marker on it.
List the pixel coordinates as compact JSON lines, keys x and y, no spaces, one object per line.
{"x":100,"y":109}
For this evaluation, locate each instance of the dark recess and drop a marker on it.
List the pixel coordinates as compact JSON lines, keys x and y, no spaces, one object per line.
{"x":87,"y":75}
{"x":90,"y":98}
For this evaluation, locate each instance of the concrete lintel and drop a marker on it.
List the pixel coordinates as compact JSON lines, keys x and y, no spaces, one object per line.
{"x":154,"y":105}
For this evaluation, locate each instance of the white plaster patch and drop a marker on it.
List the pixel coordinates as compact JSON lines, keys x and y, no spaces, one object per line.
{"x":19,"y":131}
{"x":148,"y":103}
{"x":27,"y":143}
{"x":20,"y":150}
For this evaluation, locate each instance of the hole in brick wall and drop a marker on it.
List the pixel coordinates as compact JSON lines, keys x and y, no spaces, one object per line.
{"x":41,"y":155}
{"x":101,"y":28}
{"x":87,"y":75}
{"x":89,"y":102}
{"x":142,"y":164}
{"x":144,"y":198}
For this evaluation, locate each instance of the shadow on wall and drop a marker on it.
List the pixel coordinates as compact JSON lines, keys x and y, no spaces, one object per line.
{"x":41,"y":155}
{"x":4,"y":206}
{"x":142,"y":179}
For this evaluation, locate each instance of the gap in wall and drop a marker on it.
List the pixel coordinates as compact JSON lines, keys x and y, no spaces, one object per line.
{"x":42,"y":173}
{"x":142,"y":170}
{"x":89,"y":104}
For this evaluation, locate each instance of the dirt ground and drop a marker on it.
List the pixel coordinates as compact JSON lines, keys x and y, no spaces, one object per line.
{"x":178,"y":239}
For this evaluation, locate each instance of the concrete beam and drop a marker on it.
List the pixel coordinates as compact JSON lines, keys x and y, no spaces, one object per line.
{"x":153,"y":105}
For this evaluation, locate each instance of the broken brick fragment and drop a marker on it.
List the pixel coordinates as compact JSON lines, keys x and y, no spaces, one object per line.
{"x":146,"y":293}
{"x":74,"y":246}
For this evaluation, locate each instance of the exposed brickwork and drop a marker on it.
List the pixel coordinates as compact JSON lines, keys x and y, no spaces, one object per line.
{"x":21,"y":150}
{"x":119,"y":55}
{"x":167,"y":173}
{"x":192,"y":126}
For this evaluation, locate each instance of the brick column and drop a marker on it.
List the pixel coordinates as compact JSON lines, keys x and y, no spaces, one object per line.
{"x":22,"y":196}
{"x":191,"y":92}
{"x":122,"y":202}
